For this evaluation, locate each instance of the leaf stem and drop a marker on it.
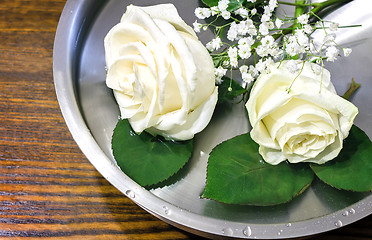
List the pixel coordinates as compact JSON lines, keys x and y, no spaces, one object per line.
{"x":352,"y":89}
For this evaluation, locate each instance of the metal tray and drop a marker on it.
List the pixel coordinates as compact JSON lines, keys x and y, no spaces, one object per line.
{"x":91,"y":113}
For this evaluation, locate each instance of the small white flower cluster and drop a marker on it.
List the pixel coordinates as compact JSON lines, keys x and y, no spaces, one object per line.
{"x":301,"y":43}
{"x":246,"y":38}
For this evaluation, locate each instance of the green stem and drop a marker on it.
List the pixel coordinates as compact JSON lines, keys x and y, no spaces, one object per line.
{"x":321,"y":6}
{"x":353,"y":87}
{"x":297,"y":4}
{"x":299,"y":10}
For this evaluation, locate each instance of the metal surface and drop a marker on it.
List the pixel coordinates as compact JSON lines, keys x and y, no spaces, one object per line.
{"x":91,"y":113}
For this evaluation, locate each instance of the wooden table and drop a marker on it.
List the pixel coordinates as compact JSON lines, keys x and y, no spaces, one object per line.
{"x":47,"y":187}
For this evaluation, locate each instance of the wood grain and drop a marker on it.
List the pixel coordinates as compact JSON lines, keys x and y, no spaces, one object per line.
{"x":48,"y":189}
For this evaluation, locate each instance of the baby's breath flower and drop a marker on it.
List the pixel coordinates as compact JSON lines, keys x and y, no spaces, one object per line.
{"x":267,"y":10}
{"x":262,"y":66}
{"x":247,"y":41}
{"x":302,"y":39}
{"x":248,"y":36}
{"x":271,"y":24}
{"x":243,"y":12}
{"x":226,"y":63}
{"x":316,"y":69}
{"x":293,"y":66}
{"x":226,"y":14}
{"x":243,"y":69}
{"x":292,"y":47}
{"x":244,"y":51}
{"x":247,"y":78}
{"x":253,"y":71}
{"x":223,"y":4}
{"x":307,"y":29}
{"x":233,"y":55}
{"x":265,"y":18}
{"x":331,"y":53}
{"x":264,"y":28}
{"x":267,"y":47}
{"x":202,"y":13}
{"x":243,"y":28}
{"x":333,"y":27}
{"x":303,"y":18}
{"x":278,"y":23}
{"x":219,"y":73}
{"x":197,"y":26}
{"x":267,"y":41}
{"x":346,"y":51}
{"x":214,"y":44}
{"x":214,"y":10}
{"x":232,"y":33}
{"x":273,"y":4}
{"x":329,"y":39}
{"x":254,"y":11}
{"x":251,"y":28}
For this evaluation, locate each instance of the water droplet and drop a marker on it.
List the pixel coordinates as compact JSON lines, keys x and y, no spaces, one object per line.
{"x":228,"y":231}
{"x":338,"y":223}
{"x":352,"y":211}
{"x":130,"y":194}
{"x":288,"y":224}
{"x":247,"y":231}
{"x":346,"y":213}
{"x":167,"y":211}
{"x":202,"y":154}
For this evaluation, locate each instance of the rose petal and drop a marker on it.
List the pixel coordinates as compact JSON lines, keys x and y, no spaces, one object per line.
{"x":140,"y":49}
{"x":203,"y":82}
{"x":166,"y":12}
{"x":182,"y":50}
{"x":307,"y":123}
{"x":122,"y":34}
{"x":196,"y":121}
{"x":166,"y":84}
{"x":271,"y":156}
{"x":295,"y":111}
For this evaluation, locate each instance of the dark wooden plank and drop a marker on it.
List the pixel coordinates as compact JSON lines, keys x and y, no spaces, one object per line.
{"x":47,"y":187}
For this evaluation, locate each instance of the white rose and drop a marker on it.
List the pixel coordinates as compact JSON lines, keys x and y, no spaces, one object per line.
{"x":307,"y":123}
{"x":161,"y":74}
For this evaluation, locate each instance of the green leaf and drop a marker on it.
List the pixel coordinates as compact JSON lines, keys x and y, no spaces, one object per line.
{"x":352,"y":168}
{"x":223,"y":90}
{"x":210,"y":3}
{"x":234,"y":5}
{"x":146,"y":159}
{"x":236,"y":174}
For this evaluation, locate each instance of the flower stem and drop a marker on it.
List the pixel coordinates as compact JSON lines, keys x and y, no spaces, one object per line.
{"x":297,"y":4}
{"x":353,"y":87}
{"x":321,"y":6}
{"x":300,"y":8}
